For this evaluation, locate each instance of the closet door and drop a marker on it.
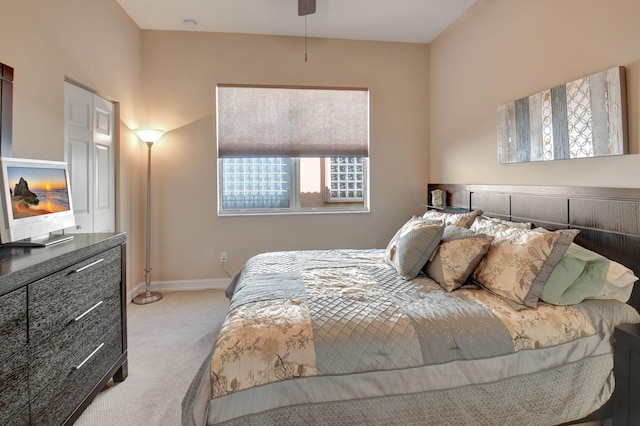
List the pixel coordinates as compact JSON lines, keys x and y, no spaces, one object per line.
{"x":89,"y":151}
{"x":103,"y":166}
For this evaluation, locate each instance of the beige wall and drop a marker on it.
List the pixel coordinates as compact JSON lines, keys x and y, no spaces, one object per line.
{"x":180,"y":73}
{"x":445,"y":93}
{"x":502,"y":50}
{"x":96,"y":44}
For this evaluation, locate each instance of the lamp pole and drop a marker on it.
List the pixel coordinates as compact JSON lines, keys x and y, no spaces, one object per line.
{"x":148,"y":296}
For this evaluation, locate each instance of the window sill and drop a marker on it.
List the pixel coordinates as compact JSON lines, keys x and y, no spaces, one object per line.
{"x":286,"y":212}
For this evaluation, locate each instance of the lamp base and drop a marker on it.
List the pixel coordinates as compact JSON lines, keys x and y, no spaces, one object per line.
{"x":148,"y":297}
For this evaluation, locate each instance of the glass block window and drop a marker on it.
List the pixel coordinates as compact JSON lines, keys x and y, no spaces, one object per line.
{"x":286,"y":150}
{"x":255,"y":183}
{"x":345,"y":179}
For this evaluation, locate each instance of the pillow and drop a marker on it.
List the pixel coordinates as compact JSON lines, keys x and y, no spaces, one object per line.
{"x":493,"y":226}
{"x":580,"y":274}
{"x":618,"y":284}
{"x":520,"y":261}
{"x":457,"y":256}
{"x":460,"y":219}
{"x":410,"y":248}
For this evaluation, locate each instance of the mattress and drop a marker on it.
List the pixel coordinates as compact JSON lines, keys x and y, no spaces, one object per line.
{"x":337,"y":337}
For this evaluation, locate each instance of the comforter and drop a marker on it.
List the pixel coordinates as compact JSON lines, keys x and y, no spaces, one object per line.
{"x":337,"y":336}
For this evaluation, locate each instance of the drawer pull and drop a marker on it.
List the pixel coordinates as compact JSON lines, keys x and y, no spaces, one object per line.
{"x":88,"y":310}
{"x":91,"y":355}
{"x":87,"y":266}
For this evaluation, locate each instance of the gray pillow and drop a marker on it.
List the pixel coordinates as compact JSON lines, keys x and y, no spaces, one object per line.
{"x":411,"y":247}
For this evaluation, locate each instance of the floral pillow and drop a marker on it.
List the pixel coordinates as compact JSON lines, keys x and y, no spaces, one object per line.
{"x":520,"y":261}
{"x":460,"y":219}
{"x":410,"y":248}
{"x":457,"y":256}
{"x":494,"y":226}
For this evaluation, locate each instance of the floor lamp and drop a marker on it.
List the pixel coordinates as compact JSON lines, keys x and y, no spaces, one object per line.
{"x":148,"y":136}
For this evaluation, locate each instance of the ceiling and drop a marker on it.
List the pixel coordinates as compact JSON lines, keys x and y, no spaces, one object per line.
{"x":413,"y":21}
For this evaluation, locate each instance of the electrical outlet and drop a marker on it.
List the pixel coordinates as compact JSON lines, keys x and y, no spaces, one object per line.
{"x":223,"y":257}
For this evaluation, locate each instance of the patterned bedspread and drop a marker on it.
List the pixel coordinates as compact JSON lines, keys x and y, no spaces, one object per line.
{"x":323,"y":317}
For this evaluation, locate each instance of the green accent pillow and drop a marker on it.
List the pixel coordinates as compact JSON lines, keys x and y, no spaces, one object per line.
{"x":580,"y":274}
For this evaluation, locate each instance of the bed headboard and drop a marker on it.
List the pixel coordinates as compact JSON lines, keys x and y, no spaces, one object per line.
{"x":608,"y":218}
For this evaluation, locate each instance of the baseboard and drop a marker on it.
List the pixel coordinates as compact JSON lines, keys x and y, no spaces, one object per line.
{"x":185,"y":285}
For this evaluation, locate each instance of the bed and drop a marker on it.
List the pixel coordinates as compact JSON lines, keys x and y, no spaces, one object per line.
{"x":432,"y":330}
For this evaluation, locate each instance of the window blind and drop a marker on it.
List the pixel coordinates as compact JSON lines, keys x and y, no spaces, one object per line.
{"x":259,"y":121}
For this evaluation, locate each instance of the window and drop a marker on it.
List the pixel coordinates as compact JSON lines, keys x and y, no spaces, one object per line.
{"x":345,"y":177}
{"x":255,"y":183}
{"x":289,"y":150}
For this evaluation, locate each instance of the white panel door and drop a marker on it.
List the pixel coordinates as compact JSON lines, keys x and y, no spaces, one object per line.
{"x":89,"y":150}
{"x":78,"y":131}
{"x":104,"y":168}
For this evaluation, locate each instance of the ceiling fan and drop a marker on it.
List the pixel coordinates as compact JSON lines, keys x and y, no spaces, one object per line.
{"x":306,"y":7}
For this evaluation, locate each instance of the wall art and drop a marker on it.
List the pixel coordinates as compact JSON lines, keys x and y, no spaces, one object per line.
{"x":586,"y":117}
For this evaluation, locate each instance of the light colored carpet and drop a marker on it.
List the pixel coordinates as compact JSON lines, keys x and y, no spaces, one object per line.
{"x":167,"y":342}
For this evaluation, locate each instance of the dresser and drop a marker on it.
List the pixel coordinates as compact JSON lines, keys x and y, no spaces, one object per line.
{"x":62,"y":327}
{"x":626,"y":397}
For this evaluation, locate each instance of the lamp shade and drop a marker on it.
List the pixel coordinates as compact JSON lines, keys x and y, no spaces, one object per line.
{"x":149,"y":135}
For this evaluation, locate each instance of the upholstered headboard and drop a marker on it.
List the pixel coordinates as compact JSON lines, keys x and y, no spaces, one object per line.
{"x":608,"y":218}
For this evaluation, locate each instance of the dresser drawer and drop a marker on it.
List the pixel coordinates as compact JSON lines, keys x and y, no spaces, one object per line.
{"x":13,"y":322}
{"x":57,"y":300}
{"x":14,"y":388}
{"x":57,"y":355}
{"x":18,"y":418}
{"x":63,"y":394}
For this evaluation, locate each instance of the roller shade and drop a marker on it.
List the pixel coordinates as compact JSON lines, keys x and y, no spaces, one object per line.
{"x":292,"y":122}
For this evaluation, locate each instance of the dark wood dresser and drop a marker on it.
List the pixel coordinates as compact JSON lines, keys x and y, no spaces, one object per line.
{"x":62,"y":327}
{"x":626,"y":408}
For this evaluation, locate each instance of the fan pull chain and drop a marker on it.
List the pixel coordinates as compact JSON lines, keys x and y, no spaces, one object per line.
{"x":305,"y":38}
